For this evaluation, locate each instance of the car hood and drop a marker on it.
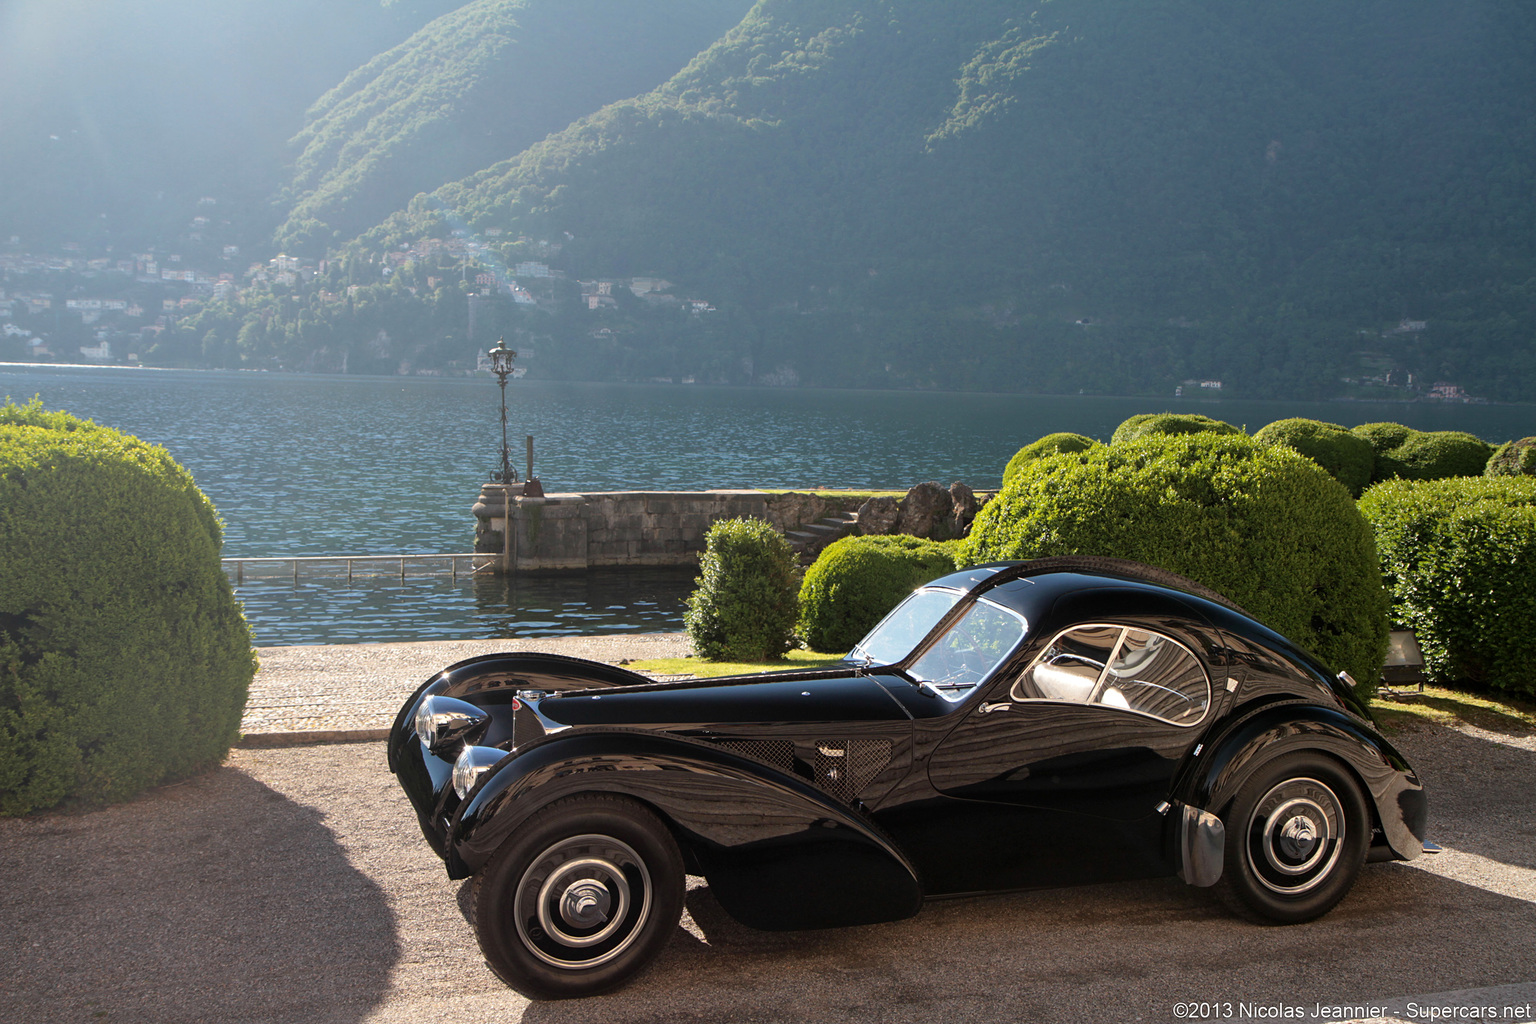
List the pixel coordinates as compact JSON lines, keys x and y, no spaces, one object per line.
{"x":723,"y":703}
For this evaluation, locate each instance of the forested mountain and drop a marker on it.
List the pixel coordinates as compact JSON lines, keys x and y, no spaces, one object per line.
{"x":118,"y":116}
{"x":475,"y":86}
{"x":1077,"y":194}
{"x":1304,"y":199}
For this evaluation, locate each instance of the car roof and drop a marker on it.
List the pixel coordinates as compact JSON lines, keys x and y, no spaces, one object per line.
{"x":1032,"y":588}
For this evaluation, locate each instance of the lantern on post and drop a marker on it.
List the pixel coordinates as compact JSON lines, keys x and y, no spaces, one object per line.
{"x":501,"y":366}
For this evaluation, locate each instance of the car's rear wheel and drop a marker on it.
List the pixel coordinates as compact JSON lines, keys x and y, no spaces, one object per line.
{"x":585,"y":894}
{"x":1297,"y":835}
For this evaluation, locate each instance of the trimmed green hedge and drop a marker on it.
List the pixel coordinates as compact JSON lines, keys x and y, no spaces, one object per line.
{"x":744,"y":606}
{"x":124,"y":657}
{"x":857,"y":580}
{"x":1348,"y":457}
{"x":1258,"y":523}
{"x":1153,"y":424}
{"x":1459,"y":557}
{"x":1513,"y":458}
{"x":1408,"y":454}
{"x":1384,"y":437}
{"x":1050,"y":444}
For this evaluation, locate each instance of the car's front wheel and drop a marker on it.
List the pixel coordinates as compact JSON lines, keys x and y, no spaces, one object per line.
{"x":585,"y":894}
{"x":1297,"y":835}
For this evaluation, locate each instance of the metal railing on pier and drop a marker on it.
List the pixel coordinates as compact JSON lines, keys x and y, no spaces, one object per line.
{"x":361,"y":565}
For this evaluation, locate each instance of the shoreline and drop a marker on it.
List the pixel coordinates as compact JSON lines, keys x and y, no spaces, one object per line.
{"x":477,"y":375}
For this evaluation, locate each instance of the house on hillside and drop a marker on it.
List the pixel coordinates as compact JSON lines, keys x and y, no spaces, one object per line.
{"x":1445,"y":391}
{"x":642,"y":286}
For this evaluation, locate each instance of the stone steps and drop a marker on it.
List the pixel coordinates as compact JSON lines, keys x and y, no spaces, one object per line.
{"x":809,"y":539}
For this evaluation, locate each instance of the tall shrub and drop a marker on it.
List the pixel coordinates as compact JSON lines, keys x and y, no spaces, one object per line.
{"x":1148,"y":424}
{"x":744,"y":607}
{"x":124,"y":657}
{"x":1261,"y":524}
{"x":1408,"y":454}
{"x":1459,"y":557}
{"x":856,"y":580}
{"x":1348,"y":457}
{"x":1050,"y":444}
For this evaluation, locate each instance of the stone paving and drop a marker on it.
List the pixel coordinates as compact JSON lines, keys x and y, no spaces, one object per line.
{"x":353,"y":691}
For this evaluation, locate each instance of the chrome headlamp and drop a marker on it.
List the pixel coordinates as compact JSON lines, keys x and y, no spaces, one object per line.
{"x":473,"y":762}
{"x":445,"y":724}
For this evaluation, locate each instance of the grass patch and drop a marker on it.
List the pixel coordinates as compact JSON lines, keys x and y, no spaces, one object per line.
{"x":1507,"y":715}
{"x":707,"y":669}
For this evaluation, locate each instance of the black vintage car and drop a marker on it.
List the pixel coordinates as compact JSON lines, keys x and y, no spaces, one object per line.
{"x":1008,"y":726}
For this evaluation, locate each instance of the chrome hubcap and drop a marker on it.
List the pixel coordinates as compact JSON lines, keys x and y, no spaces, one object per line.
{"x":582,"y":901}
{"x":585,"y":904}
{"x":1295,"y":836}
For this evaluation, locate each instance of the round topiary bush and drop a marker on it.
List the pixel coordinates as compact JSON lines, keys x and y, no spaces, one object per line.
{"x":124,"y":657}
{"x":1408,"y":454}
{"x":857,"y":580}
{"x":1050,"y":444}
{"x":744,"y":607}
{"x":1513,"y":458}
{"x":1259,"y":523}
{"x":1438,"y":454}
{"x":1149,"y":424}
{"x":1384,"y":436}
{"x":1459,"y":557}
{"x":1348,"y":457}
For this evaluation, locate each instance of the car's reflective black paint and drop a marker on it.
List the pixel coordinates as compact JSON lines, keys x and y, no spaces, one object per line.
{"x":849,"y":795}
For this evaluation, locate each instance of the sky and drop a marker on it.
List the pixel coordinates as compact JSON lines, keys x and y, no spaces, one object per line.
{"x":137,"y":108}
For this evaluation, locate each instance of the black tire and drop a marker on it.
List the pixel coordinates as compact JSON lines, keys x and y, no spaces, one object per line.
{"x":585,"y":894}
{"x":1297,"y":836}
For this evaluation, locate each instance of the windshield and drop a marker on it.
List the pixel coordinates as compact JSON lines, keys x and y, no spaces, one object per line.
{"x":969,"y":650}
{"x":904,"y":628}
{"x":961,"y":657}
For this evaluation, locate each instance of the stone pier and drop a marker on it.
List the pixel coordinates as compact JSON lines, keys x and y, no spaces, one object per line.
{"x":603,"y":528}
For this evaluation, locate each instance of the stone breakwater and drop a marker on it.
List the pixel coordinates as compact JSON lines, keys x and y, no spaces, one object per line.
{"x":661,"y":528}
{"x":625,"y":528}
{"x":584,"y":531}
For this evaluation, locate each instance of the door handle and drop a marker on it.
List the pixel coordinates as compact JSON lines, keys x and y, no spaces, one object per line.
{"x":987,"y":709}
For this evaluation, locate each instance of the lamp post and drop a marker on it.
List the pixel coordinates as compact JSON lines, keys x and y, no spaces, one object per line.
{"x":501,"y":366}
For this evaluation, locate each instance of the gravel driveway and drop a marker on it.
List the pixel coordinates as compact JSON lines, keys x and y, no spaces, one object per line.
{"x":292,"y":885}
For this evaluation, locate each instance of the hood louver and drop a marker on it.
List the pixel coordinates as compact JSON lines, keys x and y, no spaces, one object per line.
{"x":840,"y":768}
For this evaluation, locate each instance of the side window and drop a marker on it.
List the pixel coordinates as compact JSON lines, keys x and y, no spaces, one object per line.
{"x":1156,"y":676}
{"x":1070,"y":668}
{"x":1118,"y":667}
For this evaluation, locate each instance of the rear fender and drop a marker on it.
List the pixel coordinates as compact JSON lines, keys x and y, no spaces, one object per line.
{"x":778,"y":853}
{"x":1395,"y":793}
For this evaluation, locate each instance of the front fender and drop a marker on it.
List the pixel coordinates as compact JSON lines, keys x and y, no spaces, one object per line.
{"x":778,"y":853}
{"x":1269,"y":732}
{"x":494,"y":679}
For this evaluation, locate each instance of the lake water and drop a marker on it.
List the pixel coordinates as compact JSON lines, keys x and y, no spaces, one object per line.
{"x":312,"y":465}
